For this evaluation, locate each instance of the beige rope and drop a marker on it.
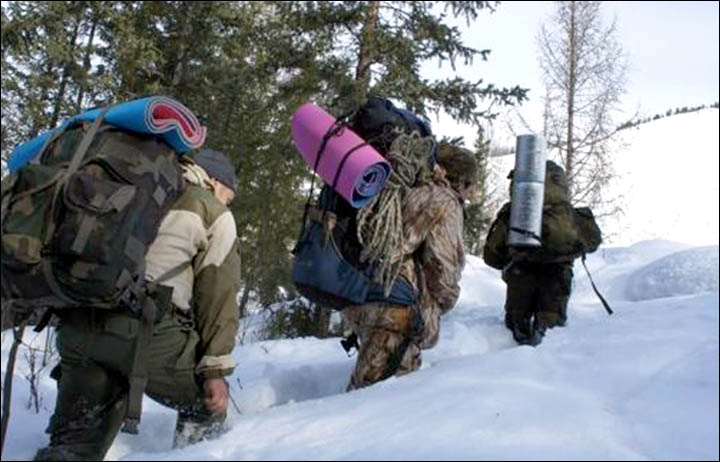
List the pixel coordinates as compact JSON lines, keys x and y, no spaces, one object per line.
{"x":379,"y":224}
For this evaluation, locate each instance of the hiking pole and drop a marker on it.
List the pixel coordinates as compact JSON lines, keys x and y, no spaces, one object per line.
{"x":7,"y":390}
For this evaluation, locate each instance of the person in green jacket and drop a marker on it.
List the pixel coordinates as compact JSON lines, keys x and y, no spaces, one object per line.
{"x":539,"y":280}
{"x":195,"y":260}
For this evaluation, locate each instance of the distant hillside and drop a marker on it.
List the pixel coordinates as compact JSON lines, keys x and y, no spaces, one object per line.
{"x":668,"y":113}
{"x":667,"y":179}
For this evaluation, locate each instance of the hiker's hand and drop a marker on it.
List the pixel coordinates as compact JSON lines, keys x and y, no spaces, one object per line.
{"x":216,"y":395}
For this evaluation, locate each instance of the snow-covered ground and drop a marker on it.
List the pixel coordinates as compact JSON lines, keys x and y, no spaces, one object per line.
{"x":641,"y":384}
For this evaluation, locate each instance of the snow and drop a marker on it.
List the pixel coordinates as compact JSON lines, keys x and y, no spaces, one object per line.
{"x":641,"y":384}
{"x":668,"y":178}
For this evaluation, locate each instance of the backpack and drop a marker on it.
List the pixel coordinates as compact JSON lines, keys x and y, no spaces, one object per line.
{"x":377,"y":120}
{"x":328,"y":269}
{"x":588,"y":229}
{"x":77,"y":223}
{"x":567,"y":232}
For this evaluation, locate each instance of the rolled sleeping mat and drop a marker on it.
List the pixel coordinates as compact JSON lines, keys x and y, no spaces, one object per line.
{"x":528,"y":191}
{"x":352,"y":167}
{"x":165,"y":117}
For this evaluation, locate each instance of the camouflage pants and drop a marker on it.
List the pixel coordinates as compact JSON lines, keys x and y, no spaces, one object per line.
{"x":96,"y":351}
{"x":537,"y":298}
{"x":381,"y":329}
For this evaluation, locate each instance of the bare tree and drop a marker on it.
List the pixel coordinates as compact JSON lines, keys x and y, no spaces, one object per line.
{"x":584,"y":71}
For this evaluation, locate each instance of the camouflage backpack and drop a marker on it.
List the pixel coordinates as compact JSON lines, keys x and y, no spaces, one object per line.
{"x":567,"y":232}
{"x":77,"y":222}
{"x":559,"y":235}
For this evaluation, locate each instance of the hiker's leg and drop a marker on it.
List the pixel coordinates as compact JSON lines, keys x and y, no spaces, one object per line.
{"x":520,"y":305}
{"x":412,"y":360}
{"x":172,"y":359}
{"x":381,"y":328}
{"x":90,"y":402}
{"x":195,"y":424}
{"x":554,"y":297}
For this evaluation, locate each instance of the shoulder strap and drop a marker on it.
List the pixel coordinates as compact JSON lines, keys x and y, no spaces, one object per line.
{"x":597,"y":292}
{"x":63,"y":178}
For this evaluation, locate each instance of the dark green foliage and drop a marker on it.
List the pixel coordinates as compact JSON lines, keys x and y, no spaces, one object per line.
{"x":297,"y":318}
{"x":243,"y":67}
{"x":480,"y":212}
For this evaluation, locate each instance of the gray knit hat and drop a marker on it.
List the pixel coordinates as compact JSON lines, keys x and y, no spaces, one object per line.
{"x":218,"y":166}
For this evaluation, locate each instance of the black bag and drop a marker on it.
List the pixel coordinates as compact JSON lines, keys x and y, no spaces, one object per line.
{"x":377,"y":120}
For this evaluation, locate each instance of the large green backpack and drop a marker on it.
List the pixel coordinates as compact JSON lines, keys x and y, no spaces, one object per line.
{"x":567,"y":232}
{"x":76,"y":224}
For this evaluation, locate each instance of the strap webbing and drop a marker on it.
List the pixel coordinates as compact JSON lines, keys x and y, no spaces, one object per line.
{"x":525,"y":232}
{"x":597,"y":292}
{"x":63,"y":179}
{"x":138,"y":378}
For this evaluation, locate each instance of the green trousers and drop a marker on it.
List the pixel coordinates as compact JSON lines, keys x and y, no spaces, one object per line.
{"x":537,"y":298}
{"x":96,"y":350}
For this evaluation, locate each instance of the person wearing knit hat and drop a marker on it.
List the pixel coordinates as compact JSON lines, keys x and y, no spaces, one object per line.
{"x":221,"y":171}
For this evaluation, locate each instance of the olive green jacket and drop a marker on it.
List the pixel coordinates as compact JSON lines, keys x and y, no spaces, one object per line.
{"x":196,"y":244}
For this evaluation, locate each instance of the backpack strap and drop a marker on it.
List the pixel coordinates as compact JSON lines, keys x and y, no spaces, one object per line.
{"x":62,"y":180}
{"x":138,"y":378}
{"x":602,"y":299}
{"x":151,"y":312}
{"x":527,"y":233}
{"x":85,"y":144}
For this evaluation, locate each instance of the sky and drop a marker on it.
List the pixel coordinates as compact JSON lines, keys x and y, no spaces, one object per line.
{"x":672,"y":48}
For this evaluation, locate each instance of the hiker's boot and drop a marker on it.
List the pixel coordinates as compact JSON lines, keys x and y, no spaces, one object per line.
{"x":192,"y":428}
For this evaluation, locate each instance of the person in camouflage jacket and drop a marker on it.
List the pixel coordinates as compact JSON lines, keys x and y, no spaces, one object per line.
{"x":195,"y":256}
{"x":391,"y":337}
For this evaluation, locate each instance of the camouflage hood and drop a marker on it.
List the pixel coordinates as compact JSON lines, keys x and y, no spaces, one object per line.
{"x":459,"y":163}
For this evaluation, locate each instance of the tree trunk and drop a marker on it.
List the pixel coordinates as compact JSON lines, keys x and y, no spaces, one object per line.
{"x":38,"y":117}
{"x":183,"y":39}
{"x":65,"y":75}
{"x":244,"y":300}
{"x":322,"y":321}
{"x":86,"y":65}
{"x":367,"y":50}
{"x":572,"y":75}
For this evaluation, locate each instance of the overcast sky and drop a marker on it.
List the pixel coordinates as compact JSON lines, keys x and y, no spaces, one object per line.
{"x":672,"y":49}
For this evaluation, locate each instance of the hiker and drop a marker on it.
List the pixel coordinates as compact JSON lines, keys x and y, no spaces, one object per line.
{"x":431,"y":257}
{"x":195,"y":262}
{"x":539,"y":280}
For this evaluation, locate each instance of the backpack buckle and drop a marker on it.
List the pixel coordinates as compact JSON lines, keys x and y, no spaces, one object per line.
{"x":133,"y":298}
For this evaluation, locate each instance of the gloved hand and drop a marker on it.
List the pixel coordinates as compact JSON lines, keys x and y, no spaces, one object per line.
{"x":216,"y":395}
